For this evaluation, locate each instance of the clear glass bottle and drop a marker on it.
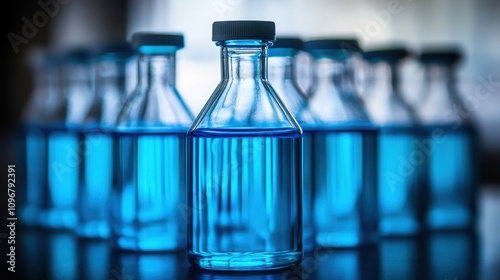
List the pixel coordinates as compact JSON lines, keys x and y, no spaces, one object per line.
{"x":244,"y":151}
{"x":149,"y":181}
{"x":282,"y":76}
{"x":111,"y":62}
{"x":64,"y":154}
{"x":451,"y":147}
{"x":345,"y":157}
{"x":400,"y":179}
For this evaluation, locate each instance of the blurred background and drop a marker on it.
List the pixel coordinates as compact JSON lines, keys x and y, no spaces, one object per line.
{"x":472,"y":25}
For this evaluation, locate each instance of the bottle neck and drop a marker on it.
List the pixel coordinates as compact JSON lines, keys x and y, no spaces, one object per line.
{"x":156,"y":70}
{"x":386,"y":79}
{"x":242,"y":59}
{"x":282,"y":68}
{"x":111,"y":75}
{"x":330,"y":72}
{"x":441,"y":78}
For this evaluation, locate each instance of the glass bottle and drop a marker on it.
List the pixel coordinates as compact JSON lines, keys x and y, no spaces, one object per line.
{"x":345,"y":157}
{"x":244,"y":151}
{"x":282,"y":76}
{"x":149,"y":181}
{"x":451,"y":147}
{"x":64,"y":154}
{"x":111,"y":62}
{"x":400,"y":178}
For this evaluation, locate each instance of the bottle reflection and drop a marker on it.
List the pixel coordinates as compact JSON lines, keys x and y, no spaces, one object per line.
{"x":94,"y":259}
{"x":361,"y":263}
{"x":453,"y":255}
{"x":403,"y":258}
{"x":280,"y":274}
{"x":62,"y":256}
{"x":130,"y":265}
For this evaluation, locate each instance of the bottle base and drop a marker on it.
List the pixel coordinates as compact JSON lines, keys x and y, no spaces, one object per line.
{"x":245,"y":261}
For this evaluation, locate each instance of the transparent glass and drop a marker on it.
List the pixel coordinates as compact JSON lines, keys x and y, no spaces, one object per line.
{"x":64,"y":150}
{"x":452,"y":149}
{"x":345,"y":143}
{"x":282,"y":76}
{"x":244,"y":188}
{"x":401,"y":178}
{"x":97,"y":162}
{"x":149,"y":177}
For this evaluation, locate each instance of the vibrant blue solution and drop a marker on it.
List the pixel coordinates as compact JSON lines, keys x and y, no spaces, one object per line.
{"x":453,"y":168}
{"x":345,"y":198}
{"x":244,"y":198}
{"x":36,"y":173}
{"x":63,"y":163}
{"x":149,"y":190}
{"x":401,"y":180}
{"x":93,"y":194}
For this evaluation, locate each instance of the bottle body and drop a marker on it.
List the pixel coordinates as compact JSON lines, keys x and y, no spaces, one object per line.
{"x":245,"y":198}
{"x":402,"y":179}
{"x":63,"y":158}
{"x":149,"y":190}
{"x":346,"y":184}
{"x":95,"y":186}
{"x":452,"y":176}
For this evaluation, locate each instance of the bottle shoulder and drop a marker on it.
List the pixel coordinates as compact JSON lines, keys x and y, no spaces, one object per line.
{"x":154,"y":107}
{"x":246,"y":106}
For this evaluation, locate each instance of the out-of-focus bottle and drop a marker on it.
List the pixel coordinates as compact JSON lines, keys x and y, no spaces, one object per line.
{"x":149,"y":180}
{"x":65,"y":155}
{"x":33,"y":139}
{"x":451,"y":148}
{"x":345,"y":143}
{"x":244,"y":151}
{"x":112,"y":63}
{"x":283,"y":56}
{"x":401,"y":181}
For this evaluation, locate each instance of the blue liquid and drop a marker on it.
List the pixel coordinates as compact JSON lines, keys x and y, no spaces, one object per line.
{"x":308,"y":183}
{"x":401,"y":185}
{"x":244,"y":199}
{"x":149,"y":190}
{"x":93,"y":200}
{"x":64,"y":157}
{"x":36,"y":174}
{"x":452,"y":177}
{"x":346,"y":205}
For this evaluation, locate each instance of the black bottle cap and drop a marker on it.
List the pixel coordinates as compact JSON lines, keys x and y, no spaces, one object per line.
{"x":393,"y":54}
{"x":78,"y":54}
{"x":243,"y":30}
{"x":349,"y":44}
{"x":440,"y":55}
{"x":288,"y":43}
{"x":140,"y":39}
